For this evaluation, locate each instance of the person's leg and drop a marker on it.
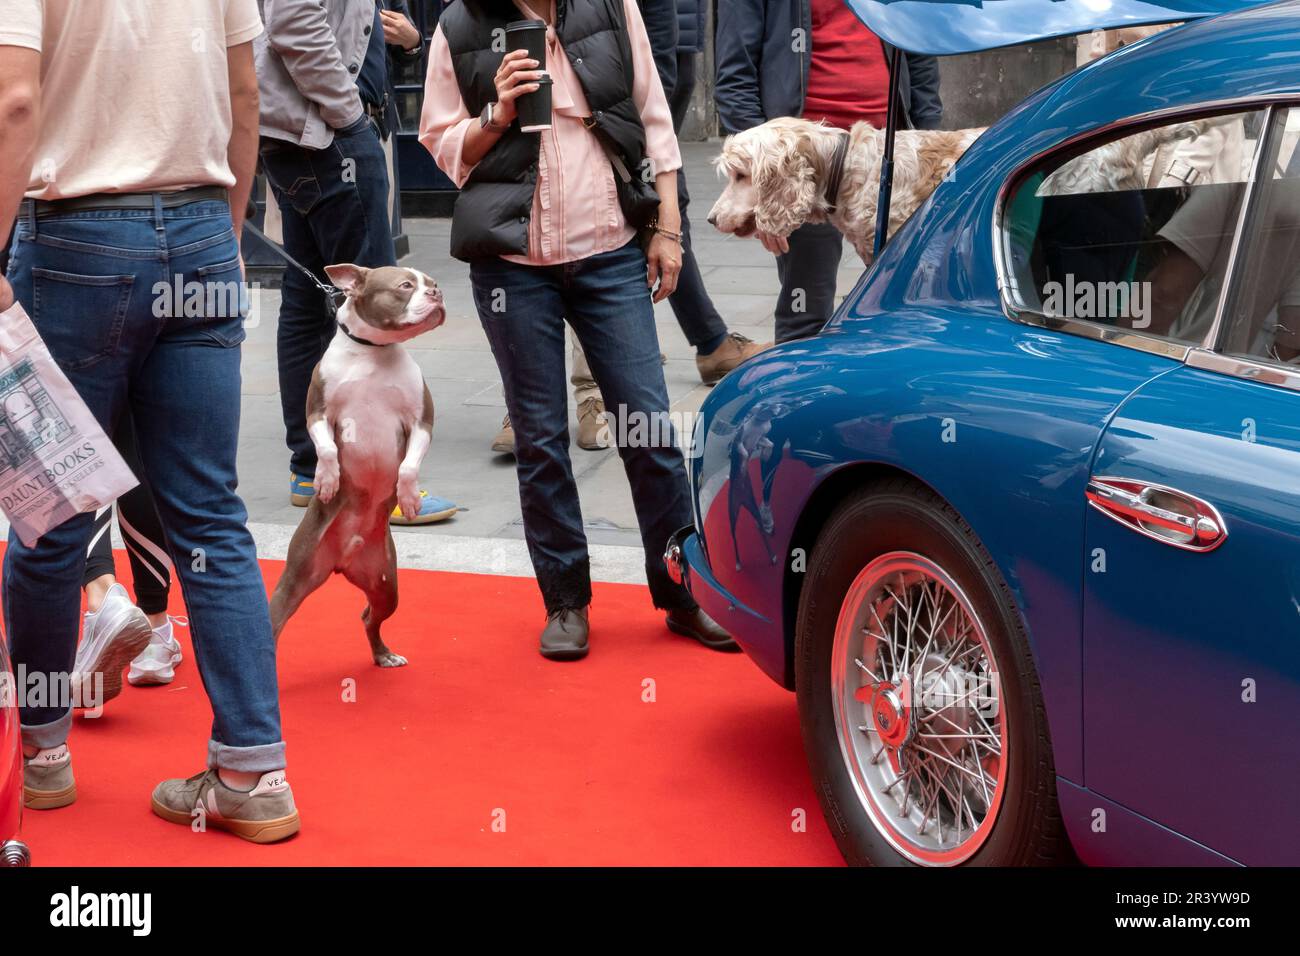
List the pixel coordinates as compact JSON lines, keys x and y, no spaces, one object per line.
{"x":680,"y":99}
{"x":587,"y":401}
{"x":100,"y":573}
{"x":717,"y":350}
{"x":807,"y":274}
{"x":303,"y":329}
{"x":527,"y":340}
{"x":142,"y":533}
{"x":185,"y":403}
{"x":583,"y":382}
{"x":695,"y":312}
{"x":335,"y":207}
{"x":92,"y":310}
{"x":609,"y":306}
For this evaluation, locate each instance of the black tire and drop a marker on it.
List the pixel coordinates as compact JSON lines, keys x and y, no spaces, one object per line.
{"x":899,"y":515}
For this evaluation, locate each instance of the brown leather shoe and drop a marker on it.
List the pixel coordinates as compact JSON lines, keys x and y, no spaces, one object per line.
{"x":734,"y":349}
{"x":504,"y":443}
{"x":564,"y":638}
{"x":593,"y":431}
{"x":695,"y":623}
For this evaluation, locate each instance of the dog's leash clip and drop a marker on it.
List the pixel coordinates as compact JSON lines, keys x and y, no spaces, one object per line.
{"x":333,"y":297}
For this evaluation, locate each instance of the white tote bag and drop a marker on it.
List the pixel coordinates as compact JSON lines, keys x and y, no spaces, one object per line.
{"x":55,"y":460}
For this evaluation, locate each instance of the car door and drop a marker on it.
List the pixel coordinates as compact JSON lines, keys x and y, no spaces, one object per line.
{"x":1192,"y":583}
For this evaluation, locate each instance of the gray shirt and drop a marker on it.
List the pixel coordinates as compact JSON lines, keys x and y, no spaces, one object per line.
{"x":307,"y":65}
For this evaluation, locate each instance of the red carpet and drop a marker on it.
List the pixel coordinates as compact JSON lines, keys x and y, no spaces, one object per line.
{"x":478,"y":727}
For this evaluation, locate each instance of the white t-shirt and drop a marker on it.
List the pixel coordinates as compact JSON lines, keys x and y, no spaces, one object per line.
{"x":135,"y":93}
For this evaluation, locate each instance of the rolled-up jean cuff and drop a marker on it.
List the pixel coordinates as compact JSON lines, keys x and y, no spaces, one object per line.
{"x":259,"y":759}
{"x":48,"y":736}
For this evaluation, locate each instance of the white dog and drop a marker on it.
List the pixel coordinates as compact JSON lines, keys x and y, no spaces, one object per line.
{"x":780,"y":176}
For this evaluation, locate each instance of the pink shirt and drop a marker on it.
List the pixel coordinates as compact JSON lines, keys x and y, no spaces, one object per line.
{"x":575,"y":207}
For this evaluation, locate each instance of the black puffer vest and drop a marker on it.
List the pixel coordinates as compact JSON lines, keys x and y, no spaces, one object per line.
{"x":496,"y":202}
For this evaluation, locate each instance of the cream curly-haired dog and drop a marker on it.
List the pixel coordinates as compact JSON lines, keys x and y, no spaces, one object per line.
{"x":780,"y":173}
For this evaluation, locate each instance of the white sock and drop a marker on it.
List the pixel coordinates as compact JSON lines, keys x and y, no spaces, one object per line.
{"x":238,"y":779}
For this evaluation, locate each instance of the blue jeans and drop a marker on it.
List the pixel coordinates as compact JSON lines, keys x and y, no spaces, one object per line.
{"x":334,"y":205}
{"x":92,"y":283}
{"x":605,"y":299}
{"x":807,"y":273}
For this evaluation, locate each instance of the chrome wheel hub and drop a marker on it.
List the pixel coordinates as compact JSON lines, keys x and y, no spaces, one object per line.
{"x":916,"y":697}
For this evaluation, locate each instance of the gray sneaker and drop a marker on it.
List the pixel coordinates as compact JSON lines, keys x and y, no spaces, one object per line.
{"x":47,"y":779}
{"x":264,"y":814}
{"x":110,"y":639}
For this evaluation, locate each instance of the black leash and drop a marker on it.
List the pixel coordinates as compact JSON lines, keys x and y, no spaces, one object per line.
{"x":837,"y":170}
{"x":333,"y":297}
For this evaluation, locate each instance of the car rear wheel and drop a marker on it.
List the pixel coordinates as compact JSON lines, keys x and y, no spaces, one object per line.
{"x":920,"y":708}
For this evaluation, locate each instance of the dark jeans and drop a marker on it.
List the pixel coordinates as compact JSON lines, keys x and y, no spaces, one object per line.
{"x":807,"y":274}
{"x":334,"y":204}
{"x":142,"y":532}
{"x":695,"y":312}
{"x":91,"y":282}
{"x":523,"y":309}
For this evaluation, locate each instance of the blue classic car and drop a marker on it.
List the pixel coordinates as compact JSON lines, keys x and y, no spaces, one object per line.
{"x":1021,"y":526}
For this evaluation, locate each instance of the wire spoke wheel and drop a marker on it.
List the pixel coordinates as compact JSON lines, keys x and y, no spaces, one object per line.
{"x":916,"y":696}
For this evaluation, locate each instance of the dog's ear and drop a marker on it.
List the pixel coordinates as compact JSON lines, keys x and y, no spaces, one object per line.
{"x":785,"y":177}
{"x":347,"y":278}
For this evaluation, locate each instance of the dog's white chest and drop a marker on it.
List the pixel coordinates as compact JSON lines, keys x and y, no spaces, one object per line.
{"x":371,"y":394}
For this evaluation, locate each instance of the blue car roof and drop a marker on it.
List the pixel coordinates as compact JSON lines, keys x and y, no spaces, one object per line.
{"x":943,"y":27}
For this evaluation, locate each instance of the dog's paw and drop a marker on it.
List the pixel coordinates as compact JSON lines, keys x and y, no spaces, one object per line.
{"x":327,"y":480}
{"x":389,"y":659}
{"x":408,"y":495}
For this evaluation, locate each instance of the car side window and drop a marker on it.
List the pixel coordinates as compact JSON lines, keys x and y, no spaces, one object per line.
{"x":1136,"y":232}
{"x":1262,"y":315}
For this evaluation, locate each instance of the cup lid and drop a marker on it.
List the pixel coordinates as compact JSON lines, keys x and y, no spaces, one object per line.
{"x":526,"y":25}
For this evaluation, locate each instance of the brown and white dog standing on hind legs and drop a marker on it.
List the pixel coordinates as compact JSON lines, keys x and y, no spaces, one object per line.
{"x":781,"y":175}
{"x":370,"y":417}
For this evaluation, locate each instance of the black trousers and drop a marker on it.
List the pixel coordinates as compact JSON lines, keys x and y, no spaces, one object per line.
{"x":690,"y":302}
{"x":334,"y":208}
{"x":807,"y":274}
{"x":142,"y":532}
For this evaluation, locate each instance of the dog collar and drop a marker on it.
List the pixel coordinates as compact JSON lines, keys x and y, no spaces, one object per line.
{"x":356,"y":338}
{"x":837,"y":170}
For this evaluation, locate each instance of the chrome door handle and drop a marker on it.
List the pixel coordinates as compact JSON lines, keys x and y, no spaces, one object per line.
{"x":1159,"y":512}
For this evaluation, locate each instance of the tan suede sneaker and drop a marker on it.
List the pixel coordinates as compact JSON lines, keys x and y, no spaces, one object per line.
{"x":504,"y":442}
{"x":593,"y":431}
{"x":47,"y":779}
{"x":264,"y":814}
{"x":735,"y":349}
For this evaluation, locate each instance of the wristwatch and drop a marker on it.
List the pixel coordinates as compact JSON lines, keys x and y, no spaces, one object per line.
{"x":485,"y":120}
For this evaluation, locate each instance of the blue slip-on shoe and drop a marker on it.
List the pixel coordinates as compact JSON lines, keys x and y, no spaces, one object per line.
{"x":432,"y":508}
{"x":301,"y":490}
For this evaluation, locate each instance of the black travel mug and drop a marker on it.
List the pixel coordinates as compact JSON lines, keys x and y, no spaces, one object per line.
{"x":534,"y":109}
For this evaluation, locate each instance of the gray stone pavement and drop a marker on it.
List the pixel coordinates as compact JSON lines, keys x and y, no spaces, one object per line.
{"x":462,"y":377}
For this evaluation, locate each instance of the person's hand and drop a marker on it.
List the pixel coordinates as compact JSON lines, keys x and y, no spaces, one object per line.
{"x":399,"y":31}
{"x":516,"y":76}
{"x":6,"y":295}
{"x":663,"y":264}
{"x":777,"y":245}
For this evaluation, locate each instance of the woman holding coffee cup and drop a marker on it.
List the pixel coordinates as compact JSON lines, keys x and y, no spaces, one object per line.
{"x":569,"y":215}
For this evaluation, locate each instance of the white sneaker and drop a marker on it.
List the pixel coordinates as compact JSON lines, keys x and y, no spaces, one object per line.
{"x":157,"y":662}
{"x":110,"y":638}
